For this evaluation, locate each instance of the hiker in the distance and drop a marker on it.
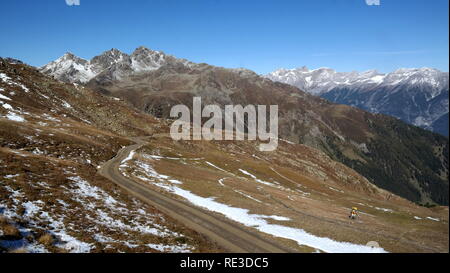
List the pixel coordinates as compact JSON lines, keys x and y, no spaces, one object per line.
{"x":353,"y":213}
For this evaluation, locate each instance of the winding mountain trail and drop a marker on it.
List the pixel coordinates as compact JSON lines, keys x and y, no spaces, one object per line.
{"x":226,"y":234}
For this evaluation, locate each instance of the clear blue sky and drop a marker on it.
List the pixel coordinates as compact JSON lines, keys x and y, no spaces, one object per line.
{"x":261,"y":35}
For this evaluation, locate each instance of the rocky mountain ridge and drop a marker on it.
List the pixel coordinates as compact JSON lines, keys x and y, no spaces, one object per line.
{"x":418,"y":96}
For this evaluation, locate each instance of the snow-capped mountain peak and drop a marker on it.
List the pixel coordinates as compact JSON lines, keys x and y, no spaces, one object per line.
{"x":322,"y":80}
{"x":69,"y":68}
{"x":318,"y":81}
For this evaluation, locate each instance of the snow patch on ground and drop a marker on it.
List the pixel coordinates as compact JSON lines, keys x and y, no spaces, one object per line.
{"x":128,"y":158}
{"x":66,"y":105}
{"x":6,"y":106}
{"x":4,"y":97}
{"x":278,"y":218}
{"x":383,"y":209}
{"x":172,"y":249}
{"x":221,"y":181}
{"x":12,"y":113}
{"x":336,"y":190}
{"x":9,"y":176}
{"x":255,"y":178}
{"x":377,"y":208}
{"x":50,"y":118}
{"x":287,"y":141}
{"x":35,"y":214}
{"x":4,"y":77}
{"x":85,"y":191}
{"x":214,"y":166}
{"x":9,"y":81}
{"x":248,"y":196}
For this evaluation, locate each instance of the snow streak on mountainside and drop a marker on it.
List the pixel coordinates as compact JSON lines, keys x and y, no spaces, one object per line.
{"x":418,"y":96}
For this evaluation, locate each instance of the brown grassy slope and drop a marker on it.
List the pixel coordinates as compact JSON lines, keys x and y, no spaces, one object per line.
{"x":66,"y":132}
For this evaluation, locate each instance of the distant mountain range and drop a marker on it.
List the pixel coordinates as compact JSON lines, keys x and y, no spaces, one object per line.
{"x":400,"y":158}
{"x":418,"y":96}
